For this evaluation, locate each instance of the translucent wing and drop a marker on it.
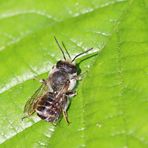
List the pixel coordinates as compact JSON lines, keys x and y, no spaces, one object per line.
{"x":29,"y":108}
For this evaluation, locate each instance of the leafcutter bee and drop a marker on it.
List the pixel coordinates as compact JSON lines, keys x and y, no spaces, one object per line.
{"x":53,"y":96}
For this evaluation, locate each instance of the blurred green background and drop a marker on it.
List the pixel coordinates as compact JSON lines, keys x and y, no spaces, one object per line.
{"x":111,"y":108}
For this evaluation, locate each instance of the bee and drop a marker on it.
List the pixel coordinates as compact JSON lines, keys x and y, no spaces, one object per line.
{"x":52,"y":98}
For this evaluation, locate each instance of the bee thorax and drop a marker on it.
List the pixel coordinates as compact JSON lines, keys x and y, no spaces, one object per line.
{"x":59,"y":79}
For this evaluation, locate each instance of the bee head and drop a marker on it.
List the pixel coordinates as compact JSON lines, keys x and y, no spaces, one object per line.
{"x":67,"y":67}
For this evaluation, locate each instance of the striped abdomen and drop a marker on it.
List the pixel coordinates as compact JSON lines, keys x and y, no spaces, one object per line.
{"x":50,"y":106}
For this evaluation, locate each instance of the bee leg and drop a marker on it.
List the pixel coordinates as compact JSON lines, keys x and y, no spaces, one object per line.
{"x":43,"y":81}
{"x":27,"y":115}
{"x":81,"y":76}
{"x":24,"y":117}
{"x":53,"y":123}
{"x":65,"y":116}
{"x":71,"y":93}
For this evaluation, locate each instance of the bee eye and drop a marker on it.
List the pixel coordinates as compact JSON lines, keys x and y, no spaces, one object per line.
{"x":73,"y":69}
{"x":59,"y":64}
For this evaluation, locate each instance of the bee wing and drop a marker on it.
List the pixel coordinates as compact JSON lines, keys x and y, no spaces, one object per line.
{"x":29,"y":108}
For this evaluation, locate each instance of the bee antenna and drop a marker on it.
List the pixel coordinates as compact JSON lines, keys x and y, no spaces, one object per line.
{"x":66,"y":50}
{"x":60,"y":48}
{"x":81,"y":54}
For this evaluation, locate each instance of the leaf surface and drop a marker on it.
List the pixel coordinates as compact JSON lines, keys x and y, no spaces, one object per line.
{"x":111,"y":107}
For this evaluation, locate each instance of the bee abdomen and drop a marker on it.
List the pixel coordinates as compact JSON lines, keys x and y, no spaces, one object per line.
{"x":49,"y":113}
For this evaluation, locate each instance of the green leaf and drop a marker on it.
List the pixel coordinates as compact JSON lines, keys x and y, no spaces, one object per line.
{"x":110,"y":110}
